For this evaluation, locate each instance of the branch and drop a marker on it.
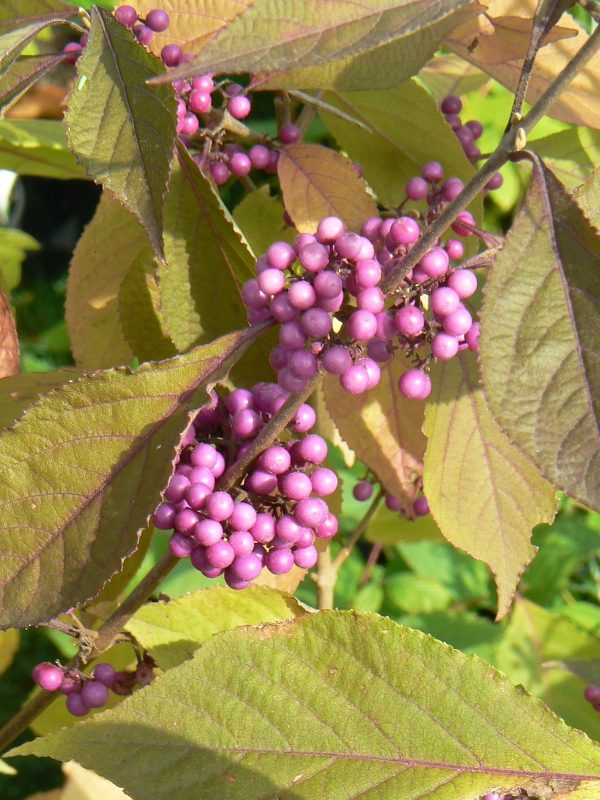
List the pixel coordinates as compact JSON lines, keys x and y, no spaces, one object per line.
{"x":513,"y":139}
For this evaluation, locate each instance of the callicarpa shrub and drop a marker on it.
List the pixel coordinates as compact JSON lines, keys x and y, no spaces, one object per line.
{"x":308,"y":507}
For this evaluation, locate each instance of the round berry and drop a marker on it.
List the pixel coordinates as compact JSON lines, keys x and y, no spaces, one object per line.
{"x":311,"y":512}
{"x":243,"y":516}
{"x":185,"y":520}
{"x":336,"y":360}
{"x":495,"y":182}
{"x":289,"y":133}
{"x":180,"y":546}
{"x":313,"y":448}
{"x":355,"y":380}
{"x":458,"y":322}
{"x":275,"y":460}
{"x":157,"y":20}
{"x":76,"y":706}
{"x":328,"y":528}
{"x":421,"y":507}
{"x":455,"y":249}
{"x":313,"y":257}
{"x":220,"y":554}
{"x":295,"y":485}
{"x":219,"y":172}
{"x":329,"y":229}
{"x":415,"y":384}
{"x":472,"y":337}
{"x":444,"y":347}
{"x":393,"y":503}
{"x":126,"y":15}
{"x":409,"y":321}
{"x":432,"y":172}
{"x":405,"y":231}
{"x":105,"y":673}
{"x":435,"y":263}
{"x":240,"y":164}
{"x":164,"y":517}
{"x":207,"y":532}
{"x":143,"y":34}
{"x":47,"y":676}
{"x":304,"y":420}
{"x":259,"y":156}
{"x":417,"y":189}
{"x":263,"y":530}
{"x":301,"y":295}
{"x":246,"y":567}
{"x":316,"y":323}
{"x":306,"y":557}
{"x":324,"y":481}
{"x":327,"y":284}
{"x":303,"y":364}
{"x":462,"y":229}
{"x":219,"y":506}
{"x":444,"y":300}
{"x":271,"y":281}
{"x":281,"y":308}
{"x":362,"y":491}
{"x":279,"y":561}
{"x":451,"y":104}
{"x":464,"y":282}
{"x":372,"y":369}
{"x":171,"y":55}
{"x":368,"y":273}
{"x":362,"y":325}
{"x":239,"y":106}
{"x":452,"y":188}
{"x":94,"y":694}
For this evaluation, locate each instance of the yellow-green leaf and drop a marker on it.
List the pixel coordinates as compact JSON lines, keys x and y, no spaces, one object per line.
{"x":318,"y":182}
{"x":588,"y":198}
{"x":173,"y":631}
{"x":260,"y":218}
{"x":82,"y":471}
{"x":9,"y":644}
{"x":571,"y":154}
{"x":485,"y":495}
{"x":541,"y":338}
{"x":328,"y":702}
{"x":37,"y":147}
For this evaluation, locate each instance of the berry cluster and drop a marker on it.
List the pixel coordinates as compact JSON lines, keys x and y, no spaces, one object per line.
{"x":84,"y":692}
{"x":270,"y":520}
{"x":467,"y":134}
{"x":325,"y":290}
{"x":363,"y":491}
{"x":592,"y":695}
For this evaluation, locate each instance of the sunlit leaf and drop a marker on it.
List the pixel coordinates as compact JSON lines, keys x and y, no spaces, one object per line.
{"x":13,"y":42}
{"x":483,"y":493}
{"x":260,"y":218}
{"x":448,"y":74}
{"x":23,"y":73}
{"x":273,"y":35}
{"x":571,"y":154}
{"x":173,"y":631}
{"x":535,"y":636}
{"x":406,"y":130}
{"x":318,"y":182}
{"x":207,"y":260}
{"x":37,"y":147}
{"x":9,"y":644}
{"x":18,"y":13}
{"x":83,"y":470}
{"x":329,"y":700}
{"x":108,"y":121}
{"x":541,"y":338}
{"x":19,"y":392}
{"x":390,"y":527}
{"x":588,"y":198}
{"x":383,"y":429}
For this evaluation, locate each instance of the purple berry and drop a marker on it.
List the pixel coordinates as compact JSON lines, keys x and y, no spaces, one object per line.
{"x":220,"y":555}
{"x":495,"y":182}
{"x":336,"y":360}
{"x":245,"y":423}
{"x":328,"y":528}
{"x":327,"y":284}
{"x":432,"y":172}
{"x":239,"y":106}
{"x":171,"y":55}
{"x":313,"y":448}
{"x":316,"y":323}
{"x":295,"y":485}
{"x":415,"y":384}
{"x":324,"y":481}
{"x":409,"y":321}
{"x":472,"y":337}
{"x":393,"y":503}
{"x":176,"y":488}
{"x":421,"y":507}
{"x":304,"y":420}
{"x":263,"y":530}
{"x":444,"y":300}
{"x":157,"y":20}
{"x":48,"y":676}
{"x":289,"y":133}
{"x":329,"y":229}
{"x":279,"y":561}
{"x":303,"y":364}
{"x":372,"y":369}
{"x":180,"y":546}
{"x":271,"y":281}
{"x":126,"y":15}
{"x":405,"y":231}
{"x":94,"y":694}
{"x":203,"y":83}
{"x":252,"y":295}
{"x":275,"y":460}
{"x":464,"y":282}
{"x":313,"y":257}
{"x":76,"y":706}
{"x":306,"y":557}
{"x":463,"y":229}
{"x":350,"y":246}
{"x":362,"y":325}
{"x":143,"y":34}
{"x":242,"y":517}
{"x":219,"y":506}
{"x":371,"y":299}
{"x":451,"y":104}
{"x":355,"y":380}
{"x":592,"y":693}
{"x":435,"y":263}
{"x":164,"y":517}
{"x":259,"y":156}
{"x":370,"y":229}
{"x":281,"y":255}
{"x":301,"y":295}
{"x":417,"y":189}
{"x":444,"y":347}
{"x":197,"y":493}
{"x":452,"y":188}
{"x":242,"y":542}
{"x":368,"y":273}
{"x":311,"y":512}
{"x":219,"y":172}
{"x":288,"y":530}
{"x":207,"y":532}
{"x":362,"y":491}
{"x":260,"y":482}
{"x":240,"y":164}
{"x":475,"y":127}
{"x":205,"y":455}
{"x":245,"y":567}
{"x":105,"y":673}
{"x":458,"y":322}
{"x":281,"y":309}
{"x":455,"y":249}
{"x":185,"y":520}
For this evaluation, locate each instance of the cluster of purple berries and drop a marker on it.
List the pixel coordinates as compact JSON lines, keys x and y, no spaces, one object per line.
{"x":84,"y":692}
{"x":325,"y":291}
{"x":363,"y":491}
{"x":467,"y":134}
{"x":271,"y":520}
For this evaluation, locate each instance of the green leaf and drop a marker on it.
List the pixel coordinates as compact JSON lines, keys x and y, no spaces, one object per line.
{"x":19,"y":13}
{"x":562,"y":548}
{"x":329,"y":700}
{"x":383,"y":428}
{"x":274,"y":35}
{"x":112,"y":242}
{"x":584,"y":615}
{"x":416,"y":594}
{"x":24,"y":72}
{"x":390,"y":527}
{"x":394,"y":150}
{"x":83,"y":470}
{"x":588,"y":198}
{"x":13,"y":42}
{"x":9,"y":644}
{"x":207,"y":260}
{"x":536,"y":636}
{"x":571,"y":154}
{"x":541,"y":338}
{"x":483,"y":493}
{"x":317,"y":182}
{"x":260,"y":218}
{"x":139,"y":311}
{"x":382,"y":67}
{"x":14,"y":246}
{"x":18,"y":392}
{"x":449,"y":74}
{"x":173,"y":631}
{"x":461,"y":629}
{"x":37,"y":147}
{"x":108,"y":121}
